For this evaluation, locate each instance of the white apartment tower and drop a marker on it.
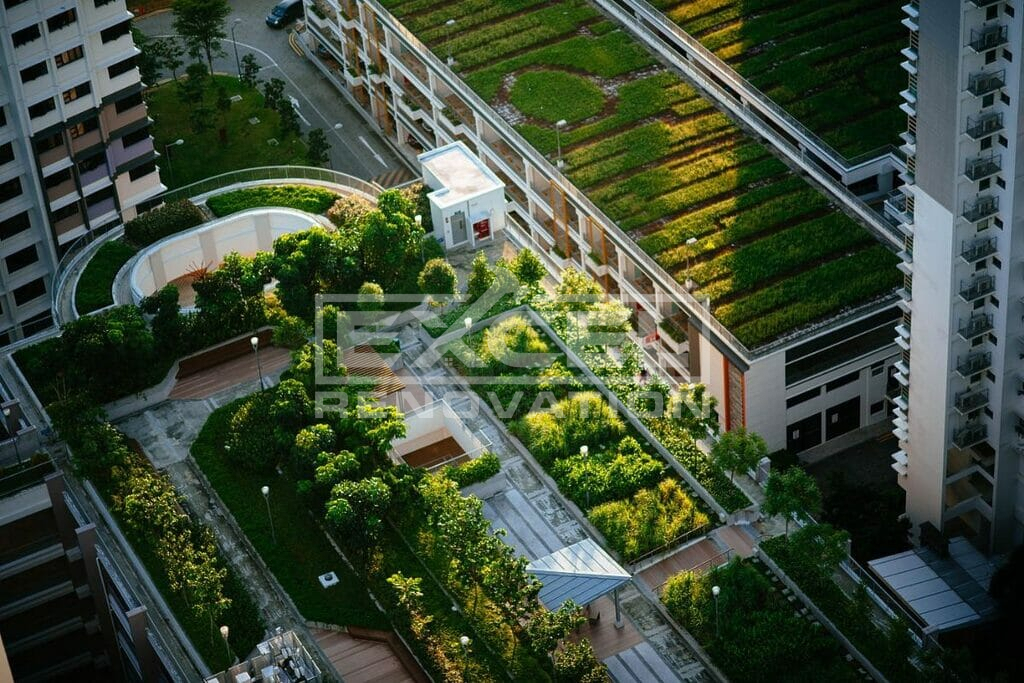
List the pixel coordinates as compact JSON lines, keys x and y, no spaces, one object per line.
{"x":76,"y":154}
{"x":960,"y":416}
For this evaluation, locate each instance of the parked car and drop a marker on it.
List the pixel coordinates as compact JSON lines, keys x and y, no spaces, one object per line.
{"x":284,"y":13}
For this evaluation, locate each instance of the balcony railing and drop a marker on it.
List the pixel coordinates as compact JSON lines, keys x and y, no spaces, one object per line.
{"x":983,"y":83}
{"x":982,"y":167}
{"x":895,"y":208}
{"x":987,"y":38}
{"x":984,"y":125}
{"x":975,"y":250}
{"x":982,"y":207}
{"x":975,"y":326}
{"x":970,"y":400}
{"x":983,"y":3}
{"x":973,"y":363}
{"x":970,"y":434}
{"x":977,"y":287}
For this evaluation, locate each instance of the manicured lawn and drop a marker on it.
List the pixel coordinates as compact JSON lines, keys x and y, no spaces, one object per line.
{"x":832,"y":65}
{"x":93,"y":289}
{"x":771,"y":253}
{"x":301,"y":552}
{"x":203,"y":155}
{"x":314,"y":200}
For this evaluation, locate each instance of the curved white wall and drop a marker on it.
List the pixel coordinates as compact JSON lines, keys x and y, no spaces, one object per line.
{"x":247,"y":233}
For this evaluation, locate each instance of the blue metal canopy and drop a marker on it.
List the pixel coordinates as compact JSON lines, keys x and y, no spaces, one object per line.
{"x":581,"y":572}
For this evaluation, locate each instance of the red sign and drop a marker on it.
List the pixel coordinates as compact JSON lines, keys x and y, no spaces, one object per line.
{"x":482,"y":228}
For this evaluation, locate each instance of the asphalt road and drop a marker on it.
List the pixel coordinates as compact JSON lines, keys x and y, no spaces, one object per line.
{"x":356,"y":148}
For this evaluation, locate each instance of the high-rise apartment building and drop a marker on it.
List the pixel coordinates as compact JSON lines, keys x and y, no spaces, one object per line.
{"x":960,"y":415}
{"x":76,"y":154}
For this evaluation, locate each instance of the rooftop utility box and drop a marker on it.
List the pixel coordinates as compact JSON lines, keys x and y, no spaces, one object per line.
{"x":467,"y":204}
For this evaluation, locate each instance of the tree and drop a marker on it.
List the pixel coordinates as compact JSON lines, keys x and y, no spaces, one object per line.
{"x":438,"y":280}
{"x":148,"y":60}
{"x":370,"y":297}
{"x":289,"y":119}
{"x":170,"y":54}
{"x":273,"y":93}
{"x":546,"y":629}
{"x":358,"y":507}
{"x":223,"y":103}
{"x":528,"y":269}
{"x":250,"y":71}
{"x":481,"y":277}
{"x":576,"y":663}
{"x":192,"y":91}
{"x":318,"y":149}
{"x":738,"y":450}
{"x":577,"y":291}
{"x":200,"y":24}
{"x":391,"y":241}
{"x":790,"y":493}
{"x":308,"y":263}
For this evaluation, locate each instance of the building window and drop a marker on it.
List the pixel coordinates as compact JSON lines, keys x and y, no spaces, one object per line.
{"x":121,"y":106}
{"x":122,"y":67}
{"x":22,"y":259}
{"x":13,"y":3}
{"x":990,"y":57}
{"x":1007,"y":55}
{"x":92,"y":163}
{"x":114,"y":32}
{"x":135,"y":137}
{"x":65,"y":212}
{"x":101,"y":3}
{"x":80,"y":90}
{"x":3,"y":117}
{"x":57,"y":178}
{"x":10,"y":189}
{"x":62,"y":20}
{"x":997,"y":263}
{"x":80,"y":129}
{"x":14,"y":225}
{"x":1008,"y":10}
{"x":803,"y":398}
{"x":843,"y":381}
{"x":42,"y":108}
{"x":986,"y":143}
{"x":143,"y":170}
{"x":68,"y":56}
{"x":33,"y":72}
{"x":26,"y":35}
{"x":6,"y":153}
{"x":26,"y":293}
{"x":1005,"y":99}
{"x":877,"y":407}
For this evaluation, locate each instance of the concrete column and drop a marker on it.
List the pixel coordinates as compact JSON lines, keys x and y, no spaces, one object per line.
{"x":137,"y":621}
{"x":87,"y":543}
{"x":61,"y":514}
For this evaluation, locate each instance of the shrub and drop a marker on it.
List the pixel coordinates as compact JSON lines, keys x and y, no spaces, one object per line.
{"x":438,"y":280}
{"x":158,"y":223}
{"x":584,"y":419}
{"x":611,"y":475}
{"x":476,"y":470}
{"x":649,"y":520}
{"x":346,"y":212}
{"x":481,"y":277}
{"x":576,"y":663}
{"x":316,"y":200}
{"x":504,"y":343}
{"x":370,"y":297}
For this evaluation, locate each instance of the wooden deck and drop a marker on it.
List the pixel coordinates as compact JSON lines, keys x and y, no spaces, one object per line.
{"x":360,"y":661}
{"x":692,"y":556}
{"x":230,"y":373}
{"x":434,"y":454}
{"x":607,"y":640}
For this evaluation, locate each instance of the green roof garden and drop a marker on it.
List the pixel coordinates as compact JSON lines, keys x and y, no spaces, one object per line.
{"x":834,"y":66}
{"x":771,"y":252}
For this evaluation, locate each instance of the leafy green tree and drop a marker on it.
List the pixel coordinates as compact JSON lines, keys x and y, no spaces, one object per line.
{"x":577,"y":291}
{"x":289,"y":119}
{"x":370,"y":297}
{"x":792,"y":492}
{"x":512,"y":343}
{"x":250,"y":71}
{"x":318,"y":149}
{"x":822,"y":548}
{"x":738,"y":450}
{"x":576,"y":663}
{"x":305,"y":264}
{"x":438,"y":280}
{"x":391,"y":240}
{"x":273,"y":94}
{"x":192,"y":90}
{"x":547,"y":629}
{"x":291,"y":332}
{"x":200,"y":24}
{"x":528,"y":269}
{"x":148,"y":60}
{"x":332,"y":468}
{"x":310,"y":442}
{"x":168,"y":54}
{"x":231,"y":299}
{"x":168,"y":324}
{"x":481,"y":277}
{"x":358,"y":507}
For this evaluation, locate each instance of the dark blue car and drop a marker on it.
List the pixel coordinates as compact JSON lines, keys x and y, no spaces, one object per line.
{"x":284,"y":13}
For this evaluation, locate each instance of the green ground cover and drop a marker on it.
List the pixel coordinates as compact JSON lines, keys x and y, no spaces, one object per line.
{"x":93,"y":289}
{"x":834,"y":66}
{"x":657,"y":158}
{"x":315,"y":200}
{"x":204,"y":154}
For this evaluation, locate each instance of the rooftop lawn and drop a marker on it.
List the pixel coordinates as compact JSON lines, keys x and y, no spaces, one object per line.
{"x":835,"y":66}
{"x":771,"y":253}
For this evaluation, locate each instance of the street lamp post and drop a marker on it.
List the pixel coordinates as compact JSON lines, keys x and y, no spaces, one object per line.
{"x":448,"y":39}
{"x":266,"y":496}
{"x":255,"y":341}
{"x":13,"y":432}
{"x":468,"y":322}
{"x":715,"y":590}
{"x":419,"y":224}
{"x":585,"y":452}
{"x":167,"y":153}
{"x":558,"y":140}
{"x":227,"y":648}
{"x":464,"y":642}
{"x":689,"y":282}
{"x":238,"y":64}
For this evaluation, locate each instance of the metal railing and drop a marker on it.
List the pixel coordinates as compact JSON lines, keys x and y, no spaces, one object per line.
{"x":975,"y":325}
{"x":970,"y":400}
{"x":973,"y":363}
{"x":674,"y":543}
{"x":982,"y":207}
{"x":970,"y":434}
{"x":978,"y":249}
{"x":988,"y":38}
{"x":983,"y":82}
{"x":984,"y":125}
{"x":977,"y":287}
{"x":268,"y":173}
{"x":981,"y":167}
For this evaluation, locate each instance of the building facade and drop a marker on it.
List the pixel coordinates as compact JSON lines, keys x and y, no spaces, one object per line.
{"x":799,"y":392}
{"x":76,"y":154}
{"x":960,"y":416}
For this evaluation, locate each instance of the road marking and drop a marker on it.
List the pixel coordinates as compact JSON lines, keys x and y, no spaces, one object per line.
{"x":376,"y":156}
{"x":295,"y":106}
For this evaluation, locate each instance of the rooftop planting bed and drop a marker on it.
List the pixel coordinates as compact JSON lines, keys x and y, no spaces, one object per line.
{"x":661,"y":161}
{"x":832,"y":65}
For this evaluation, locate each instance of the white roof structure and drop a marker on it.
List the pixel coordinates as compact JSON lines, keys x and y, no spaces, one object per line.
{"x":928,"y":594}
{"x":581,"y":572}
{"x":462,"y":175}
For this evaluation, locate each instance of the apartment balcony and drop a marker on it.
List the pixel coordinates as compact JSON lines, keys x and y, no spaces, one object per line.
{"x":975,"y":250}
{"x":987,"y":38}
{"x":980,"y":208}
{"x":970,"y":434}
{"x":415,"y":66}
{"x":462,"y":114}
{"x":981,"y":4}
{"x":53,"y":156}
{"x":975,"y":326}
{"x":984,"y":125}
{"x":900,"y":461}
{"x":910,"y":95}
{"x":970,"y":400}
{"x":982,"y":83}
{"x":68,"y":224}
{"x":977,"y":287}
{"x":58,"y":192}
{"x":895,"y":208}
{"x":101,"y":211}
{"x":86,"y":141}
{"x":973,"y":363}
{"x":980,"y":168}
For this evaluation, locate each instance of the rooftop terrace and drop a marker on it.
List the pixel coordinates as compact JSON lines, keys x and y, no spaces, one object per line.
{"x":834,"y":66}
{"x":769,"y":250}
